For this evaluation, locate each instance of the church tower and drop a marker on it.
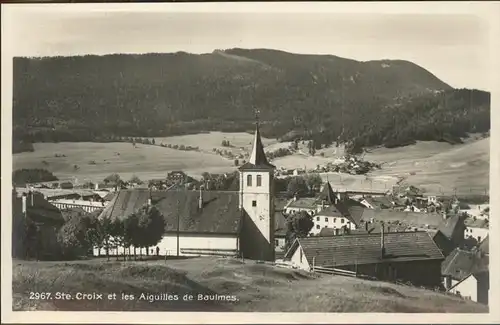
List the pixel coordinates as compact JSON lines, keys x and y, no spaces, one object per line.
{"x":257,"y":204}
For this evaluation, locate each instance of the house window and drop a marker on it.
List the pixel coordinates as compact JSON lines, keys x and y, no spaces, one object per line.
{"x":259,"y":180}
{"x":317,"y":218}
{"x":300,"y":255}
{"x":254,"y":203}
{"x":326,"y":219}
{"x":249,"y":180}
{"x":317,"y":227}
{"x":479,"y":238}
{"x":334,"y":219}
{"x":276,"y":242}
{"x":342,"y":220}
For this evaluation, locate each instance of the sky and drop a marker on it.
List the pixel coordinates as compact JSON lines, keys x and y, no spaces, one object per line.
{"x":454,"y":47}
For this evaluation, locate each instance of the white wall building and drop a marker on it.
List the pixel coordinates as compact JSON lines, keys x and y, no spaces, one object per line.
{"x":211,"y":222}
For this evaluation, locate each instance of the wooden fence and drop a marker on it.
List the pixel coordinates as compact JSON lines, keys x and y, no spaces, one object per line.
{"x":333,"y":271}
{"x":209,"y":252}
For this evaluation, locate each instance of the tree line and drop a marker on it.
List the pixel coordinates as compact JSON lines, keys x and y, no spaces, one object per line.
{"x":322,"y":98}
{"x":83,"y":232}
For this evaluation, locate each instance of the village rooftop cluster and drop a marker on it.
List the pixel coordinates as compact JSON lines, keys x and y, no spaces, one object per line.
{"x":399,"y":235}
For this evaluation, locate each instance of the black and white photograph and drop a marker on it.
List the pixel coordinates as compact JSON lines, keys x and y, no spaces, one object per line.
{"x":166,"y":158}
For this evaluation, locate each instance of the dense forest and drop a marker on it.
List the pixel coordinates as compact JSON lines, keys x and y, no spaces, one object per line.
{"x":320,"y":97}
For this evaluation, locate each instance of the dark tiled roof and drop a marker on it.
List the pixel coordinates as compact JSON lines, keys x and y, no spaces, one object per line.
{"x":220,"y":213}
{"x":443,"y":242}
{"x":280,"y":203}
{"x":304,"y":203}
{"x":330,"y":211}
{"x":417,"y":219}
{"x":484,"y":246}
{"x":72,"y":212}
{"x":376,"y":228}
{"x":327,"y":194}
{"x":380,"y":202}
{"x":460,"y":264}
{"x":476,"y":223}
{"x":38,"y":209}
{"x":365,"y":249}
{"x":110,"y":196}
{"x":449,"y":225}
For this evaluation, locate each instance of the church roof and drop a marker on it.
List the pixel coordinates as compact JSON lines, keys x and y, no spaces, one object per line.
{"x":327,"y":194}
{"x":220,"y":213}
{"x":258,"y":159}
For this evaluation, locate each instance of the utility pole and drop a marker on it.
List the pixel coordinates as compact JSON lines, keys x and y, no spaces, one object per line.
{"x":178,"y":226}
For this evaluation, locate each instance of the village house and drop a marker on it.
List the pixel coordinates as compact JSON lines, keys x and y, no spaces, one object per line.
{"x":377,"y":202}
{"x":307,"y":204}
{"x":176,"y":177}
{"x":466,"y":273}
{"x":477,"y":229}
{"x":35,"y":224}
{"x":212,"y":222}
{"x":417,"y":221}
{"x":396,"y":256}
{"x":88,"y":200}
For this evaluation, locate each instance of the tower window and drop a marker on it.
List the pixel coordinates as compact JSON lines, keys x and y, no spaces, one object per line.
{"x":259,"y":180}
{"x":317,"y":227}
{"x":249,"y":180}
{"x":326,"y":219}
{"x":317,"y":218}
{"x":254,"y":203}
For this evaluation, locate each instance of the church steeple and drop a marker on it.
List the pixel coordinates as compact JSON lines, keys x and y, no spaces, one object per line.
{"x":327,"y":194}
{"x":258,"y":157}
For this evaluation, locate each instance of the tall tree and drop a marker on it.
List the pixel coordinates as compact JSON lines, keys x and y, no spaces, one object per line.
{"x":298,"y":225}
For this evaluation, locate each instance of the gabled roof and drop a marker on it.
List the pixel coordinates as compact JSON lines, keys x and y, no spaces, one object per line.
{"x":476,"y":223}
{"x":330,"y":211}
{"x":38,"y":209}
{"x":303,"y":203}
{"x":327,"y":194}
{"x":461,"y":263}
{"x":484,"y":246}
{"x":258,"y":159}
{"x":449,"y":225}
{"x":381,"y":202}
{"x":220,"y":213}
{"x":419,"y":219}
{"x":365,"y":249}
{"x":443,"y":242}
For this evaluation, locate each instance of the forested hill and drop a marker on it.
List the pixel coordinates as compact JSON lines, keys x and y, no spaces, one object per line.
{"x":317,"y":96}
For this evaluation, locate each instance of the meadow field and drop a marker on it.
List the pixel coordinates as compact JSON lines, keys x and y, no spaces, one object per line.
{"x":435,"y":166}
{"x":250,"y":286}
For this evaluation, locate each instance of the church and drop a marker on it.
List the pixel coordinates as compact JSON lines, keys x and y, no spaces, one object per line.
{"x":203,"y":223}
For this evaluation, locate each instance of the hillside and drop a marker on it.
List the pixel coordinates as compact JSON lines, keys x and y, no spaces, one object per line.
{"x":320,"y":97}
{"x":255,"y":287}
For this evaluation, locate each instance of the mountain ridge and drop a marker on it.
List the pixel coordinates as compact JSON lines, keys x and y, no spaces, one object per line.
{"x":325,"y":97}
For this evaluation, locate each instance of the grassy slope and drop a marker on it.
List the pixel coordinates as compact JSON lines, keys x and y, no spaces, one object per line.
{"x":258,"y":287}
{"x":436,"y":166}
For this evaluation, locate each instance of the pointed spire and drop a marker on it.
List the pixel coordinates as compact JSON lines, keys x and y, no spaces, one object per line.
{"x":258,"y":157}
{"x":327,"y":194}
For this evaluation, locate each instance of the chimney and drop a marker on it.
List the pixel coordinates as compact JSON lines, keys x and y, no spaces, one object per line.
{"x":382,"y":244}
{"x":200,"y":200}
{"x":323,"y":204}
{"x":31,"y":199}
{"x":96,"y":186}
{"x":23,"y":198}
